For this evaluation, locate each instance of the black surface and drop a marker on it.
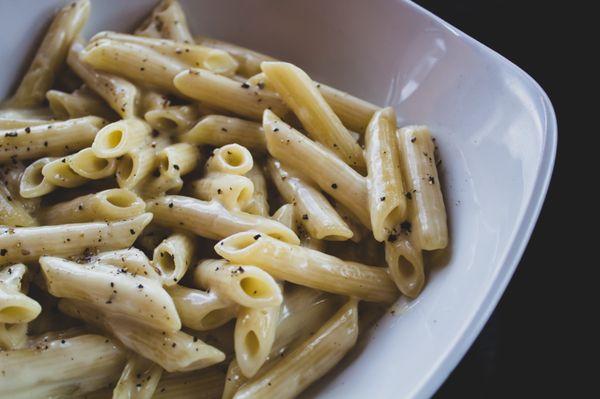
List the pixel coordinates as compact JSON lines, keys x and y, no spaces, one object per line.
{"x":523,"y":349}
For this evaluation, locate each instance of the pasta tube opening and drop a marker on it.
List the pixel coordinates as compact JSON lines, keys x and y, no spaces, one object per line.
{"x":85,"y":163}
{"x":231,"y":158}
{"x":33,"y":183}
{"x":117,"y":138}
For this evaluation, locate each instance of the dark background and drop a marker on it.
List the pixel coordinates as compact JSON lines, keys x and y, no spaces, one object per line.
{"x":526,"y":348}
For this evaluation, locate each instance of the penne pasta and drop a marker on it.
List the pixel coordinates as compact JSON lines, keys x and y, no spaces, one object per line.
{"x":119,"y":138}
{"x":423,"y":184}
{"x":245,"y":285}
{"x":132,"y":260}
{"x":87,"y":164}
{"x":309,"y":361}
{"x":203,"y":384}
{"x":138,"y":380}
{"x":201,"y":310}
{"x":112,"y":289}
{"x":51,"y":54}
{"x":172,"y":350}
{"x":308,"y":267}
{"x":112,"y":204}
{"x":167,"y":21}
{"x":220,"y":130}
{"x":174,"y":162}
{"x":15,"y":306}
{"x":173,"y":257}
{"x":314,"y":211}
{"x":55,"y":139}
{"x":235,"y":192}
{"x":7,"y":123}
{"x":225,"y":93}
{"x":121,"y":95}
{"x":66,"y":367}
{"x":136,"y":165}
{"x":33,"y":183}
{"x":259,"y":204}
{"x":405,"y":264}
{"x":299,"y":92}
{"x":285,"y":216}
{"x":211,"y":220}
{"x":77,"y":104}
{"x":231,"y":158}
{"x":59,"y":173}
{"x":326,"y":170}
{"x":27,"y":244}
{"x":13,"y":336}
{"x":387,"y":203}
{"x":172,"y":119}
{"x":12,"y":210}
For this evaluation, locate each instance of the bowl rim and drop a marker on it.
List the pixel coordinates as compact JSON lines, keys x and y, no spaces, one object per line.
{"x":430,"y":383}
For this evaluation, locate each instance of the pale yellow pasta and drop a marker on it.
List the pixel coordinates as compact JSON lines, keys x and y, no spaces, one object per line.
{"x":203,"y":384}
{"x":299,"y":92}
{"x":211,"y":219}
{"x":121,"y":137}
{"x":387,"y":201}
{"x":60,"y":174}
{"x":133,"y":61}
{"x":77,"y":104}
{"x":254,"y":336}
{"x":233,"y":191}
{"x":314,"y":211}
{"x":214,"y":60}
{"x":152,"y":100}
{"x":359,"y":231}
{"x":132,"y":260}
{"x":429,"y":224}
{"x":225,"y":93}
{"x":172,"y":257}
{"x":54,"y":139}
{"x":245,"y":284}
{"x":111,"y":204}
{"x":117,"y":292}
{"x":405,"y":263}
{"x":61,"y":368}
{"x":12,"y":211}
{"x":27,"y":244}
{"x":309,"y":361}
{"x":33,"y":183}
{"x":121,"y":95}
{"x":304,"y":266}
{"x":259,"y":204}
{"x":13,"y":336}
{"x":138,"y":379}
{"x":249,"y":60}
{"x":11,"y":174}
{"x":51,"y":54}
{"x":172,"y":350}
{"x":168,"y":21}
{"x":201,"y":310}
{"x":231,"y":158}
{"x":136,"y":165}
{"x":285,"y":216}
{"x":172,"y":119}
{"x":15,"y":306}
{"x":220,"y":130}
{"x":15,"y":123}
{"x":321,"y":166}
{"x":87,"y":164}
{"x":174,"y":162}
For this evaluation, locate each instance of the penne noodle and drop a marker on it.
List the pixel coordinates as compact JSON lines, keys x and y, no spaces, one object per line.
{"x":15,"y":306}
{"x":231,"y":158}
{"x":308,"y":267}
{"x":249,"y":60}
{"x":136,"y":165}
{"x":299,"y":92}
{"x":326,"y":170}
{"x":51,"y":54}
{"x":152,"y":100}
{"x":54,"y":139}
{"x":387,"y":203}
{"x":203,"y":384}
{"x":235,"y":192}
{"x":254,"y":336}
{"x":201,"y":310}
{"x":13,"y":336}
{"x":423,"y":185}
{"x":67,"y":367}
{"x":258,"y":204}
{"x":121,"y":95}
{"x":173,"y":161}
{"x":211,"y":220}
{"x":245,"y":285}
{"x":16,"y":123}
{"x":151,"y":237}
{"x":225,"y":93}
{"x":112,"y":289}
{"x":33,"y":183}
{"x":77,"y":104}
{"x":138,"y":379}
{"x":173,"y":257}
{"x":285,"y":216}
{"x":220,"y":130}
{"x":11,"y":174}
{"x":112,"y":204}
{"x":172,"y":350}
{"x":12,"y":210}
{"x":132,"y":260}
{"x":87,"y":164}
{"x":60,"y":174}
{"x":119,"y":138}
{"x":27,"y":244}
{"x":214,"y":60}
{"x":312,"y":359}
{"x":133,"y":61}
{"x":405,"y":264}
{"x":172,"y":119}
{"x":315,"y":212}
{"x":167,"y":21}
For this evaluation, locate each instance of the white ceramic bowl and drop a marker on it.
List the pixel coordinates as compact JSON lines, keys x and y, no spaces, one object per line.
{"x":495,"y":127}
